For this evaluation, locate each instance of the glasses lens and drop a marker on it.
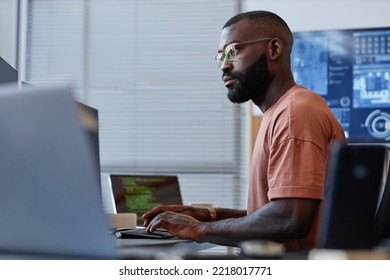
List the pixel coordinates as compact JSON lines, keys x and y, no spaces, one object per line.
{"x":230,"y":53}
{"x":219,"y":58}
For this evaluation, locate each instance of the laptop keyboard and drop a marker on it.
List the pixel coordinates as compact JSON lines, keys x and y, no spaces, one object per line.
{"x":142,"y":233}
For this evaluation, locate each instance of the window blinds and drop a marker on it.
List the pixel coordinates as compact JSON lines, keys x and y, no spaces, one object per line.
{"x":148,"y":67}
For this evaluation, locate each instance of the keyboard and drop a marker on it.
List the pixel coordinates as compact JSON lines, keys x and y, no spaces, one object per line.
{"x":142,"y":233}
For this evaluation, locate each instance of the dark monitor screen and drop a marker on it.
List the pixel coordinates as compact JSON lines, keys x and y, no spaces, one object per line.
{"x":7,"y":73}
{"x":90,"y":122}
{"x":350,"y":69}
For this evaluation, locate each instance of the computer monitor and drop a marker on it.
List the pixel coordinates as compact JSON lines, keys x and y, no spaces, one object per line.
{"x":382,"y":218}
{"x":354,"y":177}
{"x":350,"y":69}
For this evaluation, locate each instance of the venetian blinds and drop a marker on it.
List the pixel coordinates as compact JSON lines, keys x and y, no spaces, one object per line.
{"x":148,"y":67}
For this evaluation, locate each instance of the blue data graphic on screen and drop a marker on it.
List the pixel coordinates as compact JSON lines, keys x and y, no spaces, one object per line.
{"x":350,"y":69}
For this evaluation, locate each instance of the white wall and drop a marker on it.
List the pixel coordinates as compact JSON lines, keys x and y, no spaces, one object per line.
{"x":7,"y":30}
{"x":304,"y":15}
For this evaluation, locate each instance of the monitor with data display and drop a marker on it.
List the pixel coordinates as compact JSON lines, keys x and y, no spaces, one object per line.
{"x":350,"y":69}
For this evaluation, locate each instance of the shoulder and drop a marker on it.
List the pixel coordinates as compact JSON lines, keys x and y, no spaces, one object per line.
{"x":306,"y":105}
{"x":300,"y":103}
{"x":303,"y":98}
{"x":304,"y":115}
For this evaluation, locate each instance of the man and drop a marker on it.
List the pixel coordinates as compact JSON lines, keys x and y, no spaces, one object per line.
{"x":290,"y":154}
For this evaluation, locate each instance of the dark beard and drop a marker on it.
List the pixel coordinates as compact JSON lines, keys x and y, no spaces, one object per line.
{"x":252,"y":84}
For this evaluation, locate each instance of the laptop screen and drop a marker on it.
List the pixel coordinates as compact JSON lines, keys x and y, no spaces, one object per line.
{"x":140,"y":193}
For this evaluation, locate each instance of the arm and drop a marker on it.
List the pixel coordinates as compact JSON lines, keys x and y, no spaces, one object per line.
{"x":279,"y":220}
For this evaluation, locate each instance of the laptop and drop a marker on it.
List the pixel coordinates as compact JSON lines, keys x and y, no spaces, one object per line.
{"x":49,"y":200}
{"x":140,"y":193}
{"x":353,"y":182}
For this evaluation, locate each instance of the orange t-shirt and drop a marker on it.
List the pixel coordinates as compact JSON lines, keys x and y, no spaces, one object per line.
{"x":290,"y":154}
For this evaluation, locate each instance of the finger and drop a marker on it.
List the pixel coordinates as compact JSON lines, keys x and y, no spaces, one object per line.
{"x":152,"y":213}
{"x":154,"y":224}
{"x":160,"y":209}
{"x":146,"y":223}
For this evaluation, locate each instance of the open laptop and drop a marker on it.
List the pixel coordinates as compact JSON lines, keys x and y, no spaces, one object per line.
{"x":140,"y":193}
{"x":354,"y":178}
{"x":49,"y":201}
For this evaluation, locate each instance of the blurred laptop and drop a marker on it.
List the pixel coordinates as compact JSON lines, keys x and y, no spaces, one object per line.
{"x":140,"y":193}
{"x":49,"y":200}
{"x":354,"y":178}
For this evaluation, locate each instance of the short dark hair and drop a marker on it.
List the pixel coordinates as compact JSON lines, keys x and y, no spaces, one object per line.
{"x":275,"y":22}
{"x":258,"y":17}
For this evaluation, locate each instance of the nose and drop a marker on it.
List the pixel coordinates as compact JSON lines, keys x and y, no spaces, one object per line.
{"x":226,"y":65}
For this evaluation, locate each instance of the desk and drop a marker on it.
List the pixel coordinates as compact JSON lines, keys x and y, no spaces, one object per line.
{"x":172,"y":249}
{"x":162,"y":248}
{"x":137,"y":249}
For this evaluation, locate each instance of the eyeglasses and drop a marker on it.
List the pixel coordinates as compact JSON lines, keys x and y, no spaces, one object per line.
{"x":230,"y":51}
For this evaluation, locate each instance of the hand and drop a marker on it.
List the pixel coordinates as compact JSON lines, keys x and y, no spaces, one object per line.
{"x":201,"y":214}
{"x":180,"y":225}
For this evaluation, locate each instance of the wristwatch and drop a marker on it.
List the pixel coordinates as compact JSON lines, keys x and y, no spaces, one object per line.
{"x":213,"y":214}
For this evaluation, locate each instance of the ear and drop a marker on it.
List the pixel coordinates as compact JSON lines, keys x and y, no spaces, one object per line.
{"x":276,"y":46}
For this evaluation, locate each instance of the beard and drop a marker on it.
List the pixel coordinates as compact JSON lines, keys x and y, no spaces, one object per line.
{"x":252,"y":84}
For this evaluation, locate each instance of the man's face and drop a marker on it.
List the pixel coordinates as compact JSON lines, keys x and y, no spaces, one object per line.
{"x":247,"y":77}
{"x":250,"y":84}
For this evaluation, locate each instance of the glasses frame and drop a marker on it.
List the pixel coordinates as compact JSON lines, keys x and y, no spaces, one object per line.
{"x":231,"y":48}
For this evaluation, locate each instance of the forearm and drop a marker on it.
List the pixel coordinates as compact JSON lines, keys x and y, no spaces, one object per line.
{"x":199,"y":213}
{"x":226,"y":213}
{"x":280,"y":221}
{"x":234,"y":230}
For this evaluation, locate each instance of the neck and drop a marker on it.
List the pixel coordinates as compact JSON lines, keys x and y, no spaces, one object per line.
{"x":274,"y":92}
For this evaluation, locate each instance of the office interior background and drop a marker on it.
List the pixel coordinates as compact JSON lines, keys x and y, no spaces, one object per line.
{"x":148,"y":67}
